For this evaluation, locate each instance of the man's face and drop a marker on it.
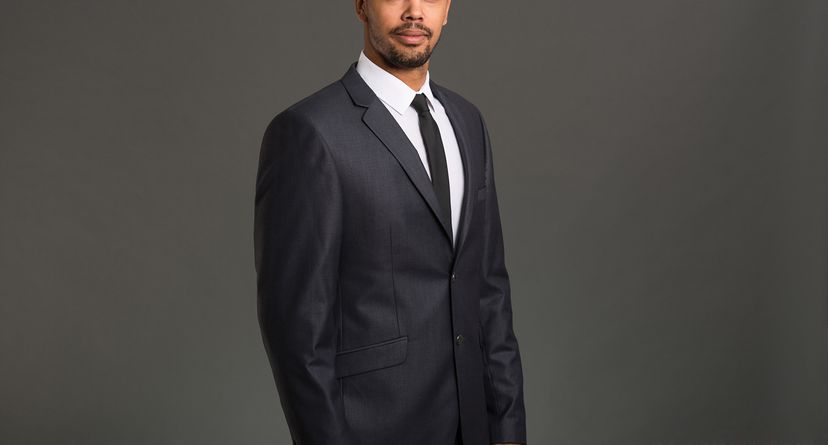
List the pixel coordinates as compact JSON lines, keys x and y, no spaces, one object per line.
{"x":403,"y":32}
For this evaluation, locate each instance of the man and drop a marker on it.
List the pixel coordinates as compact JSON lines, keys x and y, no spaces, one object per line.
{"x":384,"y":299}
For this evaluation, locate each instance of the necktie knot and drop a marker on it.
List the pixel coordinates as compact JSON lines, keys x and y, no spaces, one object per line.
{"x":420,"y":103}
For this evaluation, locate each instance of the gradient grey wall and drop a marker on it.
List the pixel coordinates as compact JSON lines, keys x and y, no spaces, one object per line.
{"x":662,"y":175}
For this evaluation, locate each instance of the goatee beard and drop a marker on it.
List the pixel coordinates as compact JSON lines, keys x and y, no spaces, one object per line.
{"x":397,"y":59}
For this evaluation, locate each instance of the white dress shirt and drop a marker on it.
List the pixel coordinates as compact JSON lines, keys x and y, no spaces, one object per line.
{"x":397,"y":97}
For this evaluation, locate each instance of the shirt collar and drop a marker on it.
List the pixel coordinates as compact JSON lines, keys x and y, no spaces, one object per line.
{"x":389,"y":88}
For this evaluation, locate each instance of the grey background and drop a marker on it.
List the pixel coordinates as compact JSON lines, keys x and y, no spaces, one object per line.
{"x":661,"y":170}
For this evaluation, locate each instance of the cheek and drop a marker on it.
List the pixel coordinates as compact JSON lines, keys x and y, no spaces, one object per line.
{"x":436,"y":25}
{"x":378,"y":31}
{"x":377,"y":20}
{"x":436,"y":35}
{"x":438,"y":11}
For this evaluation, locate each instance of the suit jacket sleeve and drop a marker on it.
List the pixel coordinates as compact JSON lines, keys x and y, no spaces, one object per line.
{"x":504,"y":383}
{"x":297,"y":233}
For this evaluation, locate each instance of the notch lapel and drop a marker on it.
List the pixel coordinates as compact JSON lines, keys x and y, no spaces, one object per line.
{"x":378,"y":119}
{"x":388,"y":131}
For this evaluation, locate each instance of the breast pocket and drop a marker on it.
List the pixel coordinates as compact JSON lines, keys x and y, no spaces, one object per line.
{"x":371,"y":357}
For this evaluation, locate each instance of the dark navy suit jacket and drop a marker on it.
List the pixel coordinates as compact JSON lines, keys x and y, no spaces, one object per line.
{"x":377,"y":329}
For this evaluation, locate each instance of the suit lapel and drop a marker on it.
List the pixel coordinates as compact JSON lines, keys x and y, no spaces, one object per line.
{"x":388,"y":131}
{"x":460,"y":131}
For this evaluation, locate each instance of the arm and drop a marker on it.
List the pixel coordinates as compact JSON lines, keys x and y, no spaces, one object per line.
{"x":504,"y":383}
{"x":297,"y":231}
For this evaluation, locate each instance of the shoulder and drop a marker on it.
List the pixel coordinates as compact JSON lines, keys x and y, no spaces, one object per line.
{"x":296,"y":137}
{"x":301,"y":131}
{"x":317,"y":111}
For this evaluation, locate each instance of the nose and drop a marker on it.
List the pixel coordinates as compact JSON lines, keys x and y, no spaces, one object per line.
{"x":414,"y":11}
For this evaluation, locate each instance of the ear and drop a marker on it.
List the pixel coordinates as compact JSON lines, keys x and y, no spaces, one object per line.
{"x":448,"y":6}
{"x":359,"y":7}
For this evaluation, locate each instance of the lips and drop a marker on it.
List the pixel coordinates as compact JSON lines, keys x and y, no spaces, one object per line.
{"x":411,"y":37}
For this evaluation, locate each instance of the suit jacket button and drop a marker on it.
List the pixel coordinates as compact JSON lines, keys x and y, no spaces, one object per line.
{"x":452,"y":276}
{"x":459,"y":339}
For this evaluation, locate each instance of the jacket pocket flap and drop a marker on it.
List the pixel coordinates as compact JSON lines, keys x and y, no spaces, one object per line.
{"x":370,"y":357}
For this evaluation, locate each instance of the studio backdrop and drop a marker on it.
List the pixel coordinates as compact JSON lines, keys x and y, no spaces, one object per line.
{"x":662,"y":179}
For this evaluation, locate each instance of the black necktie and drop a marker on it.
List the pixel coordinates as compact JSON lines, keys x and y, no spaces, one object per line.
{"x":436,"y":155}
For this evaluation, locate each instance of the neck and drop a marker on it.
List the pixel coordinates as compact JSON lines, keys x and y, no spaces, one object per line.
{"x":413,"y":77}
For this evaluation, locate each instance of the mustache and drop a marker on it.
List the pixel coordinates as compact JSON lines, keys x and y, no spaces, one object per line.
{"x":413,"y":26}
